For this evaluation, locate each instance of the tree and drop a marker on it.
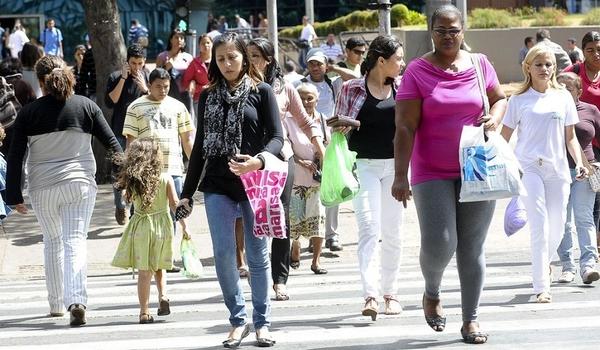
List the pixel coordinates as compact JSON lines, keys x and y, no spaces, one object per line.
{"x":104,"y":28}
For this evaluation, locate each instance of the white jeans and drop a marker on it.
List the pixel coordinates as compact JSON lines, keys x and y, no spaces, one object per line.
{"x":546,"y":205}
{"x":379,"y":216}
{"x":64,"y":212}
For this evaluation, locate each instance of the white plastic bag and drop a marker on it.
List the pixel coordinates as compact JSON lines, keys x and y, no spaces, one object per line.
{"x":489,"y":169}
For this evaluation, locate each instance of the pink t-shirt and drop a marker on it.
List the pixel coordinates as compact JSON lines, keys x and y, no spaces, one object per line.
{"x":449,"y":101}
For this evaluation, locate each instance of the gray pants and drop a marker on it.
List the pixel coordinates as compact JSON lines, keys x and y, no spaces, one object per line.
{"x":331,"y":223}
{"x":448,"y":226}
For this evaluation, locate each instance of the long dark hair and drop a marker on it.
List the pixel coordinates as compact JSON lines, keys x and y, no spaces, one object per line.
{"x":174,"y":32}
{"x":273,"y":70}
{"x":30,"y":54}
{"x":58,"y":79}
{"x":383,"y":46}
{"x":214,"y":73}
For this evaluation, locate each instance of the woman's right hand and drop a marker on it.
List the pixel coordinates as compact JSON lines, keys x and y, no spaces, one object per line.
{"x":308,"y":164}
{"x":21,"y":208}
{"x":401,"y":190}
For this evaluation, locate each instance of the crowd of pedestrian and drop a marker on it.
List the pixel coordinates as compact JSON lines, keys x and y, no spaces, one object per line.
{"x":235,"y":110}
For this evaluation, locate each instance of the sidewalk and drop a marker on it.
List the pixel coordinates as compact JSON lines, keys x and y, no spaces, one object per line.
{"x":22,"y":257}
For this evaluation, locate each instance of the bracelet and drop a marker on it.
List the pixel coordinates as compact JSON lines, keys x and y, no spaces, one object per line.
{"x":123,"y":78}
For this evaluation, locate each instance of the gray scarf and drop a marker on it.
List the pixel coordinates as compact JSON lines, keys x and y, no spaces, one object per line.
{"x":223,"y":133}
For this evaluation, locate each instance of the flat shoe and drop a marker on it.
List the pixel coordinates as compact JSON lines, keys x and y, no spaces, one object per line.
{"x":264,"y":342}
{"x":318,"y":270}
{"x":437,"y":322}
{"x":392,"y":306}
{"x":233,"y":342}
{"x":476,"y":337}
{"x":280,"y":295}
{"x":566,"y":277}
{"x":146,"y":318}
{"x":543,"y":298}
{"x":370,"y":308}
{"x":164,"y":308}
{"x":77,"y":315}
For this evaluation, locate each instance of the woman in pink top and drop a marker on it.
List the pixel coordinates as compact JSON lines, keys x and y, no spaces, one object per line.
{"x":197,"y":72}
{"x":262,"y":54}
{"x":439,"y":94}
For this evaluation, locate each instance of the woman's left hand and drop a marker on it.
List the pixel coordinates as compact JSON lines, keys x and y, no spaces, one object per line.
{"x":488,"y":122}
{"x":244,"y":164}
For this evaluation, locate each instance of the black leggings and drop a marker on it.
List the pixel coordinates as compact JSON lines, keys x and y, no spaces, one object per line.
{"x":280,"y":248}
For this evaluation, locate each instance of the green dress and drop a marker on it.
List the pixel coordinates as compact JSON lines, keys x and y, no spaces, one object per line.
{"x":146,"y":242}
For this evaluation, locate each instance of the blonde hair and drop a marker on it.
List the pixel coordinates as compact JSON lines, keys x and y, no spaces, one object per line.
{"x":532,"y":54}
{"x":141,"y":167}
{"x":308,"y":88}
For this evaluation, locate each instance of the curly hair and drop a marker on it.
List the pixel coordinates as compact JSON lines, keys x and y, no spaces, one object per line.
{"x":141,"y":166}
{"x":58,"y":79}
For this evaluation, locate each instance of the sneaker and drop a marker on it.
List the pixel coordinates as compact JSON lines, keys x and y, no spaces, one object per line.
{"x":590,"y":275}
{"x":121,"y":216}
{"x":77,"y":315}
{"x":566,"y":277}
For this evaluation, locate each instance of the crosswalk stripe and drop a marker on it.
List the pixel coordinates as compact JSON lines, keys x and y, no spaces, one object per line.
{"x":322,"y":335}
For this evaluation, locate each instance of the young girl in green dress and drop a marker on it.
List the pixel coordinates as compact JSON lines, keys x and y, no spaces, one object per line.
{"x":146,"y":242}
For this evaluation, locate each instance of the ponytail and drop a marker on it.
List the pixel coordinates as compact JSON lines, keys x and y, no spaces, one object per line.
{"x":58,"y":79}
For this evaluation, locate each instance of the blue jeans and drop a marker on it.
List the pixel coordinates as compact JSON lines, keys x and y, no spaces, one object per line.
{"x":580,"y":218}
{"x":221,"y":213}
{"x":119,"y":200}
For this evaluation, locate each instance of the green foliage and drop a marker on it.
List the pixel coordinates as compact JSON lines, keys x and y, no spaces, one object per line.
{"x":548,"y":16}
{"x":359,"y":20}
{"x":492,"y":18}
{"x":524,"y":12}
{"x":592,"y":17}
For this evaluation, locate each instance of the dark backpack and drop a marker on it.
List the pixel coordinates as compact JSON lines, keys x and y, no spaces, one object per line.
{"x":9,"y":105}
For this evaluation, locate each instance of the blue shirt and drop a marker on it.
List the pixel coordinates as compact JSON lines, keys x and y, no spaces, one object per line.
{"x":51,"y":39}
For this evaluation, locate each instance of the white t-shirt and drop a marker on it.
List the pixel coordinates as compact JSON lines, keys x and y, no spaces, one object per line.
{"x":16,"y":41}
{"x":308,"y":33}
{"x":541,"y":119}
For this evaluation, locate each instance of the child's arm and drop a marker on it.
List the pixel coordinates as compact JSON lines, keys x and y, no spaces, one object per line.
{"x":172,"y":197}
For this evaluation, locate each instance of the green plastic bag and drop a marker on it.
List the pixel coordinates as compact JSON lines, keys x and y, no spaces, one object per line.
{"x":192,"y":266}
{"x":339,"y":182}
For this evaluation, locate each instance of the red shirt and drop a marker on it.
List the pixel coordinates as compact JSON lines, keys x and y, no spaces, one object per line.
{"x":591,"y":90}
{"x":198,"y":72}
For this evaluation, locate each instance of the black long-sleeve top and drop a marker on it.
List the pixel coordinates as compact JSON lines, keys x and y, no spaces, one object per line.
{"x":59,"y":135}
{"x":261,"y":131}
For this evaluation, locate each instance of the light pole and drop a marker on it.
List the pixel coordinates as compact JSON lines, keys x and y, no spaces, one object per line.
{"x":385,"y":26}
{"x":272,"y":17}
{"x":310,"y":11}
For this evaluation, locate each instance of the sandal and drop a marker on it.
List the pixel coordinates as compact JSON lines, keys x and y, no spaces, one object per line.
{"x":164,"y":308}
{"x":477,"y":337}
{"x":146,"y":318}
{"x":437,"y":322}
{"x":279,"y":294}
{"x":264,"y":342}
{"x":543,"y":298}
{"x":392,"y":306}
{"x":231,"y":342}
{"x":294,"y":264}
{"x":318,"y":270}
{"x":370,"y":308}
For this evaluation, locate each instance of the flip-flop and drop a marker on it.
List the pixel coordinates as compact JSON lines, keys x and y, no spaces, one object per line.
{"x":294,"y":264}
{"x":146,"y":318}
{"x":318,"y":270}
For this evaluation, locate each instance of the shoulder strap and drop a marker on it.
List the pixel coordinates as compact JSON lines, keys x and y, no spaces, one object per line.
{"x":476,"y":59}
{"x":330,"y":84}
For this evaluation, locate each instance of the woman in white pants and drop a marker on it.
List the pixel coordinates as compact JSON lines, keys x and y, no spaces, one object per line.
{"x":58,"y":129}
{"x":371,"y":101}
{"x":545,"y":115}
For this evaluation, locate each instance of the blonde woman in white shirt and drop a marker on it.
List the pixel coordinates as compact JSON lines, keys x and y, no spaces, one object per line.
{"x":545,"y":115}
